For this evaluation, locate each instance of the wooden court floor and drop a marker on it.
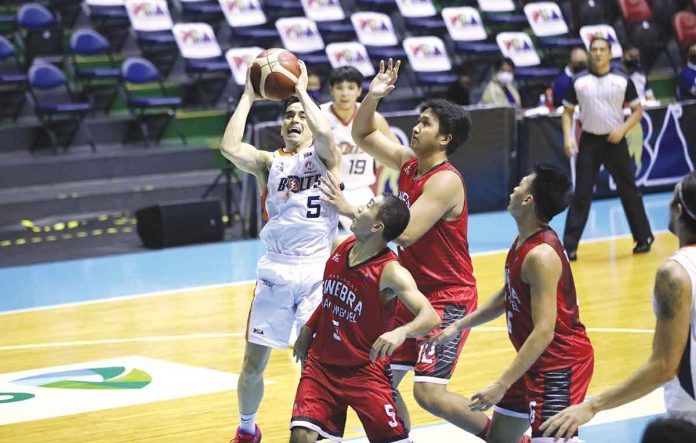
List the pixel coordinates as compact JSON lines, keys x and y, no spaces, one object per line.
{"x":205,"y":328}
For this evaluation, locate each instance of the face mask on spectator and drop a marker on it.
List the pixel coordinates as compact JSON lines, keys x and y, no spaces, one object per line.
{"x":505,"y":78}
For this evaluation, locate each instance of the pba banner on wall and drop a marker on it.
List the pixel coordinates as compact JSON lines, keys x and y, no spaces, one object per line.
{"x":484,"y":160}
{"x":662,"y":147}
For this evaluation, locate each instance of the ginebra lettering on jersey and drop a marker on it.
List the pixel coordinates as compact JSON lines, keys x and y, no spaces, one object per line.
{"x":342,"y":293}
{"x":295,"y":183}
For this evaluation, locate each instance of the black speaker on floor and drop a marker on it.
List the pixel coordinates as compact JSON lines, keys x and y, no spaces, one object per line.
{"x":182,"y":223}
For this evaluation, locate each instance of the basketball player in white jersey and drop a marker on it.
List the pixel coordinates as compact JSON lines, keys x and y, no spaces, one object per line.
{"x":298,"y":234}
{"x":357,"y":167}
{"x":673,"y":359}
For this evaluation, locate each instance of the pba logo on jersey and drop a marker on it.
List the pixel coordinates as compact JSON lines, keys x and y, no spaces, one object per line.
{"x":336,"y":258}
{"x":310,"y":167}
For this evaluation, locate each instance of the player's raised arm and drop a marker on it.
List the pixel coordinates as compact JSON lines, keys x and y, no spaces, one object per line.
{"x":397,"y":279}
{"x":321,"y":130}
{"x":672,"y":301}
{"x":442,"y":194}
{"x":366,"y":131}
{"x":245,"y":156}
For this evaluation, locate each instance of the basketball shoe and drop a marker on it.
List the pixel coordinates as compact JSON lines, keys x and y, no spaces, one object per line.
{"x":243,"y":437}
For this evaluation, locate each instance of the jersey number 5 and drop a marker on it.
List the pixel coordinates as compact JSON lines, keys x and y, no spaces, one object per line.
{"x":313,"y":207}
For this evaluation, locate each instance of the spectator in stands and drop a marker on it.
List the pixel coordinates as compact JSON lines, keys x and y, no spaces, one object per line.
{"x":631,"y":66}
{"x":686,"y":85}
{"x":576,"y":64}
{"x":314,"y":86}
{"x":459,"y":91}
{"x":500,"y":89}
{"x":669,"y":430}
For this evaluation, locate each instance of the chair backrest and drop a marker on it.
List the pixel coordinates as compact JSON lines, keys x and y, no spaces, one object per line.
{"x":374,"y":29}
{"x":427,"y":54}
{"x":139,"y":70}
{"x":239,"y":60}
{"x":635,"y":10}
{"x":350,"y":54}
{"x":587,"y":33}
{"x":464,"y":24}
{"x":685,"y":29}
{"x":496,"y":5}
{"x":545,"y":19}
{"x":44,"y":76}
{"x":196,"y":40}
{"x":321,"y":11}
{"x":518,"y":47}
{"x":149,"y":15}
{"x":88,"y":42}
{"x":299,"y":34}
{"x":417,"y":8}
{"x":35,"y":16}
{"x":6,"y":48}
{"x":243,"y":13}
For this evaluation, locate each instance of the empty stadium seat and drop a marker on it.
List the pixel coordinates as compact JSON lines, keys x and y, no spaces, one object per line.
{"x":139,"y":71}
{"x":41,"y":34}
{"x":55,"y":107}
{"x":99,"y":78}
{"x":13,"y":82}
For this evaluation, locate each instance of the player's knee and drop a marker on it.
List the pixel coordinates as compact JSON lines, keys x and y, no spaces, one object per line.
{"x":302,"y":435}
{"x":252,"y":368}
{"x":428,"y":396}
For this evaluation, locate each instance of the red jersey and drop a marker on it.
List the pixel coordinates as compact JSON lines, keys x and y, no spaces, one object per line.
{"x":570,"y":344}
{"x":440,"y":258}
{"x":351,"y":315}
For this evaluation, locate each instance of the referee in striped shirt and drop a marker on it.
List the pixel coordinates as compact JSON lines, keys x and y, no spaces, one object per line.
{"x":601,"y":94}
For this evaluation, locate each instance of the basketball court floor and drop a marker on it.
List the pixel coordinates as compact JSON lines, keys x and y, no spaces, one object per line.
{"x":147,"y":347}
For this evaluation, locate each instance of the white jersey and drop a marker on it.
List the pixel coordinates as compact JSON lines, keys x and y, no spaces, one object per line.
{"x":298,"y":222}
{"x":679,"y":392}
{"x":357,"y":167}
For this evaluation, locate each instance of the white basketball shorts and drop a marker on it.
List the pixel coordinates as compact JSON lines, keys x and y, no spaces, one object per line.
{"x":288,"y":289}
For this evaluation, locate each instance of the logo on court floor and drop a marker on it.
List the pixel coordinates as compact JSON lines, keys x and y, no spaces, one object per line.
{"x":92,"y":386}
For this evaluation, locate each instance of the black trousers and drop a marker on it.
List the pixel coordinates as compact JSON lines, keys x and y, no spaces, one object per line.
{"x":595,"y":151}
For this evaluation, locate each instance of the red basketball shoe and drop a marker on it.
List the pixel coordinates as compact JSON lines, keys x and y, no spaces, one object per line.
{"x":243,"y":437}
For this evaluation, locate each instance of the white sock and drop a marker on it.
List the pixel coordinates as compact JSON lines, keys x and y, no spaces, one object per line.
{"x":247,"y":423}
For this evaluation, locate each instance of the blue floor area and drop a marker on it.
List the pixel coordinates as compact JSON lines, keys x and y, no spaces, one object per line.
{"x":82,"y":280}
{"x":630,"y":430}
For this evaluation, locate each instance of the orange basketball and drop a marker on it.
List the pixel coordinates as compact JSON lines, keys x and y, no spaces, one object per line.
{"x":274,"y":73}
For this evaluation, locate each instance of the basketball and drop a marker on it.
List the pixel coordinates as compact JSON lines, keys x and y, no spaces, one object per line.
{"x":274,"y":73}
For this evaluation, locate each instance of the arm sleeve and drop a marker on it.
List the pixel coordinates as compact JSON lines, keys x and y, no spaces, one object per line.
{"x":631,"y":96}
{"x":571,"y":98}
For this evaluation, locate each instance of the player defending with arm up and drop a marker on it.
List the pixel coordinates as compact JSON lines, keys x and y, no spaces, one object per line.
{"x":554,"y":361}
{"x":298,"y":233}
{"x":434,"y":247}
{"x":348,"y":359}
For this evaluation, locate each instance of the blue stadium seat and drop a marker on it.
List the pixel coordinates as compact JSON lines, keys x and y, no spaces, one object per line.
{"x":99,"y":79}
{"x":139,"y":71}
{"x":55,"y":106}
{"x":41,"y":34}
{"x":13,"y":82}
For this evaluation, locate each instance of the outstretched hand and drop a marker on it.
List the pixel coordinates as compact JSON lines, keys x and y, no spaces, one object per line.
{"x":384,"y":81}
{"x":303,"y":79}
{"x":301,"y":346}
{"x":249,"y":88}
{"x":333,"y":195}
{"x":566,"y":423}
